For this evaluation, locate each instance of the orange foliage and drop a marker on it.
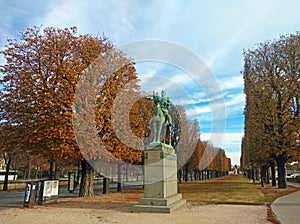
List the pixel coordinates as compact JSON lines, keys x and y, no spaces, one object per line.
{"x":42,"y":74}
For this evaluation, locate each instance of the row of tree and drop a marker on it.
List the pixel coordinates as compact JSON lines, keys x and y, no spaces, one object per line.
{"x":205,"y":162}
{"x":69,"y":98}
{"x":272,"y":121}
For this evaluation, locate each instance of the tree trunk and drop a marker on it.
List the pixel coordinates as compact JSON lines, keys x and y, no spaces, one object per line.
{"x":127,"y":171}
{"x":26,"y":175}
{"x":262,"y":176}
{"x":179,"y":175}
{"x":249,"y":174}
{"x":253,"y":175}
{"x":51,"y":170}
{"x":186,"y":173}
{"x":15,"y":168}
{"x":87,"y":180}
{"x":36,"y":173}
{"x":281,"y":160}
{"x":119,"y":184}
{"x":273,"y":173}
{"x":29,"y":171}
{"x":77,"y":176}
{"x":268,"y":175}
{"x":56,"y":172}
{"x":5,"y":184}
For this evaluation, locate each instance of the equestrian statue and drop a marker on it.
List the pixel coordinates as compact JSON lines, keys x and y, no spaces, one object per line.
{"x":161,"y":119}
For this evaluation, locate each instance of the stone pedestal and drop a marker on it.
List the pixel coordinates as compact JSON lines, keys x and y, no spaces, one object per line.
{"x":160,"y":170}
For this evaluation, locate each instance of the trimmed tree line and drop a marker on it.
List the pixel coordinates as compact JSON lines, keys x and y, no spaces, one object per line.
{"x":272,"y":123}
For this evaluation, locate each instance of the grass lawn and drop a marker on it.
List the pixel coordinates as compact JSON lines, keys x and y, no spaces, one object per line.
{"x":229,"y":190}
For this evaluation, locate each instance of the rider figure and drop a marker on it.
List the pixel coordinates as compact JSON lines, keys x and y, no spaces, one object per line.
{"x":160,"y":115}
{"x":165,"y":103}
{"x":156,"y":99}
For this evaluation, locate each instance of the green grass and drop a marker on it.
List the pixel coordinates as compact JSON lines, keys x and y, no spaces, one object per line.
{"x":224,"y":190}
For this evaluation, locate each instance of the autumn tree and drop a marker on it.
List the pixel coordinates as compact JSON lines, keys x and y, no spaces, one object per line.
{"x":180,"y":136}
{"x":191,"y":146}
{"x":224,"y":163}
{"x":271,"y":76}
{"x":140,"y":116}
{"x":196,"y":157}
{"x":40,"y":79}
{"x":256,"y":99}
{"x":106,"y":106}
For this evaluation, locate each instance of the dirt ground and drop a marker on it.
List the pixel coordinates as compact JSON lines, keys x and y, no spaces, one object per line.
{"x":116,"y":209}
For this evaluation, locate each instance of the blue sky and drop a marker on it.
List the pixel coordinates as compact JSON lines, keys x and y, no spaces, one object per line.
{"x":215,"y":31}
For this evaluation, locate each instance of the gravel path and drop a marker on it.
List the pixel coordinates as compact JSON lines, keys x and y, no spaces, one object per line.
{"x":120,"y":213}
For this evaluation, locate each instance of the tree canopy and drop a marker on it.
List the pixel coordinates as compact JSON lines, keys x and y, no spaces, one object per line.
{"x":272,"y":124}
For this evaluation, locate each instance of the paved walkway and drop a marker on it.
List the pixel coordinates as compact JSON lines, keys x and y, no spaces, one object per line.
{"x":287,"y":208}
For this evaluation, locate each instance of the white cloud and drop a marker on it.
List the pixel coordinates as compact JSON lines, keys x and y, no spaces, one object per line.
{"x":235,"y":157}
{"x":234,"y":103}
{"x":231,"y":83}
{"x":199,"y":97}
{"x":184,"y":102}
{"x":199,"y":110}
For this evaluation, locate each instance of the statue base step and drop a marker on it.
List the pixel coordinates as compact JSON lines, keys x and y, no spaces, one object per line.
{"x":159,"y":205}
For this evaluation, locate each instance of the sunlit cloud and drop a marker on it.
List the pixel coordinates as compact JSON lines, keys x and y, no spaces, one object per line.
{"x":235,"y":157}
{"x":232,"y":82}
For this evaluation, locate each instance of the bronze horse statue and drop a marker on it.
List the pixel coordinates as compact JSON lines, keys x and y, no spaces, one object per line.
{"x":160,"y":119}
